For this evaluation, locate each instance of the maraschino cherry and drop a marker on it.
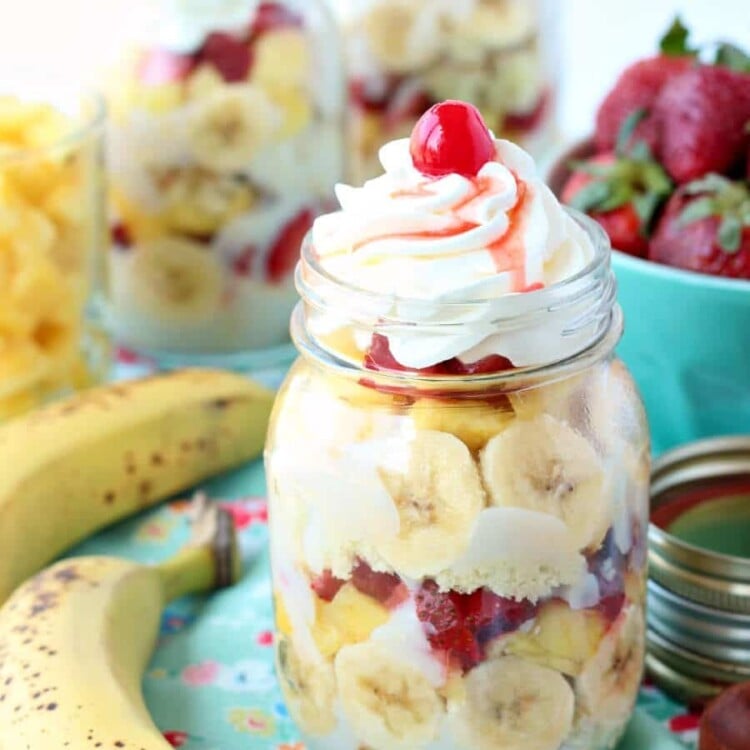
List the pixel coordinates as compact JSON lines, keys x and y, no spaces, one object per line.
{"x":451,"y":138}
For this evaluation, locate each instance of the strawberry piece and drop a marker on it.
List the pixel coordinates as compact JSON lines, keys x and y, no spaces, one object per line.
{"x":176,"y":739}
{"x":622,"y":193}
{"x":380,"y":359}
{"x":451,"y":138}
{"x":271,"y":16}
{"x":159,"y":66}
{"x":611,"y":606}
{"x":121,"y":236}
{"x":326,"y":585}
{"x":702,"y":115}
{"x":229,"y":55}
{"x":706,"y":228}
{"x":637,"y":88}
{"x":461,"y":624}
{"x":527,"y":122}
{"x":285,"y":251}
{"x":387,"y":588}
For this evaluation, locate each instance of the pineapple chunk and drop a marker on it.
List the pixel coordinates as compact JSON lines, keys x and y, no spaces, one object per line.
{"x":348,"y":619}
{"x":562,"y":638}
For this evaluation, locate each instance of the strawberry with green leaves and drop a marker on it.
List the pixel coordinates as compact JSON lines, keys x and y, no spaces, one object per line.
{"x":706,"y":228}
{"x":638,"y":88}
{"x":621,"y":190}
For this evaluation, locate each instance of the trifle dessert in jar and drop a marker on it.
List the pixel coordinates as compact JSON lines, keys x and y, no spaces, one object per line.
{"x":52,"y":232}
{"x":226,"y":142}
{"x":458,"y":464}
{"x":404,"y":55}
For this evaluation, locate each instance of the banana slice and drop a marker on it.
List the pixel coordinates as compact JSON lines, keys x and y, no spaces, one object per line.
{"x":496,"y":24}
{"x":309,"y":689}
{"x":607,"y":687}
{"x":175,"y":279}
{"x":474,"y":424}
{"x":200,"y":202}
{"x":403,"y":35}
{"x":512,"y":704}
{"x":561,"y":638}
{"x":390,"y":704}
{"x":228,"y":127}
{"x":438,"y":498}
{"x":543,"y":464}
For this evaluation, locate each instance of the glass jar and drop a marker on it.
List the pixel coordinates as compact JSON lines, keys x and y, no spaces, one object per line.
{"x":226,"y":142}
{"x":52,"y":231}
{"x":405,"y":55}
{"x":458,"y":553}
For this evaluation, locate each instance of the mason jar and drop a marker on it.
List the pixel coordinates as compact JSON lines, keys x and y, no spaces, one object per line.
{"x":405,"y":55}
{"x":458,"y":551}
{"x":226,"y":142}
{"x":52,"y":234}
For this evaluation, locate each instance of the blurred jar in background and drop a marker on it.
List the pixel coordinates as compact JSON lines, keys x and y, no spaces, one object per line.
{"x":52,"y":231}
{"x":226,"y":142}
{"x":405,"y":55}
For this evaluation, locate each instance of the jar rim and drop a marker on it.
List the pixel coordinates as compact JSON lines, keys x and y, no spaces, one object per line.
{"x":583,"y":307}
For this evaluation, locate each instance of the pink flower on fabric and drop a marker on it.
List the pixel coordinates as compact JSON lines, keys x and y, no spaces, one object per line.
{"x":176,"y":739}
{"x":264,"y":638}
{"x":205,"y":673}
{"x":248,"y":512}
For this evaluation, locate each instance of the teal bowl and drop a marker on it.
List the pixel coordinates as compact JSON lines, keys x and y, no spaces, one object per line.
{"x":686,"y":342}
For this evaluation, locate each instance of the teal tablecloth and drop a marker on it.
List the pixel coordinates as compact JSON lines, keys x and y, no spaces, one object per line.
{"x":210,"y":685}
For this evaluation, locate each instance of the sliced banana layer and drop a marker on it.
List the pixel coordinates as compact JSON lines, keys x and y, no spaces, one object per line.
{"x":438,"y":498}
{"x":309,"y":689}
{"x":545,"y":465}
{"x":512,"y":704}
{"x":389,"y":703}
{"x":226,"y":128}
{"x":473,"y":424}
{"x":607,"y":687}
{"x":497,"y":24}
{"x":175,"y":279}
{"x":403,"y":35}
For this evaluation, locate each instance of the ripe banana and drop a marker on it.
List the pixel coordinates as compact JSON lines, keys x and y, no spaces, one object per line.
{"x":390,"y":704}
{"x":545,"y":465}
{"x":78,"y":465}
{"x":513,"y":704}
{"x":438,"y":499}
{"x":75,"y":640}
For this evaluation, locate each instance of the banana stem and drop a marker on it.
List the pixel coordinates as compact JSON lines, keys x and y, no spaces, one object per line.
{"x":210,"y":561}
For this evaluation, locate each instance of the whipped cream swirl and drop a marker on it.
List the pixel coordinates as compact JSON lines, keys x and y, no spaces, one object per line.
{"x":452,"y":238}
{"x":420,"y":242}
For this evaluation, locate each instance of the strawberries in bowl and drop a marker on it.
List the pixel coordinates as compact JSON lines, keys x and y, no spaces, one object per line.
{"x":672,"y":125}
{"x":667,"y":175}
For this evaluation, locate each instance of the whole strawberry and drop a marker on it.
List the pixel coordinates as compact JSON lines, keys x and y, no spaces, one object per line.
{"x":621,"y":190}
{"x":706,"y":228}
{"x":638,"y":87}
{"x":703,"y":115}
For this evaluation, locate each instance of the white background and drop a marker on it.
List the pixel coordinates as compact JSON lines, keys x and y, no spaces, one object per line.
{"x":66,"y":39}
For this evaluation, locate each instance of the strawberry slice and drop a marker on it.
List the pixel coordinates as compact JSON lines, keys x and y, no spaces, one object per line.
{"x":271,"y":16}
{"x":229,"y":55}
{"x":159,"y":66}
{"x":285,"y":252}
{"x":326,"y":585}
{"x":379,"y":358}
{"x":527,"y":122}
{"x":387,"y":588}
